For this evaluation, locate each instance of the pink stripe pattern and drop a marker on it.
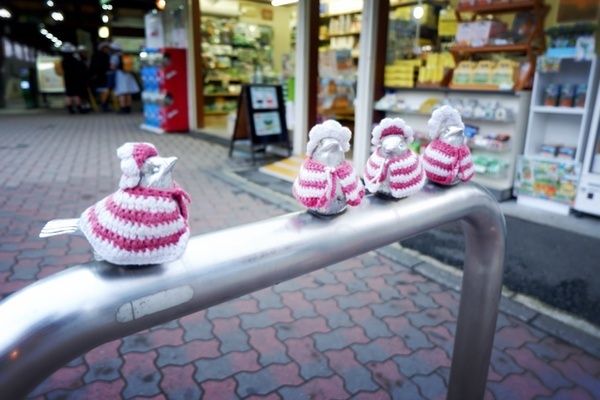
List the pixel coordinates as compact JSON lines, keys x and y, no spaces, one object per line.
{"x":316,"y":184}
{"x":138,"y":226}
{"x":444,"y":163}
{"x":399,"y":176}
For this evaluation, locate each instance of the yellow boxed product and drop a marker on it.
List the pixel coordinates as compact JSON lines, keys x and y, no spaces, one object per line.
{"x":504,"y":74}
{"x":463,"y":73}
{"x":483,"y":73}
{"x":447,"y":23}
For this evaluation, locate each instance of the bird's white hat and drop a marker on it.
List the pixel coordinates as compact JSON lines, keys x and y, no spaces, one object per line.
{"x":442,"y":118}
{"x":328,"y":129}
{"x":392,"y":127}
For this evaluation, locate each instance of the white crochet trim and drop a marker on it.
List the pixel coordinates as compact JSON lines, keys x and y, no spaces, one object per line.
{"x":442,"y":118}
{"x":389,"y":122}
{"x":141,"y":203}
{"x":127,"y":182}
{"x":328,"y":129}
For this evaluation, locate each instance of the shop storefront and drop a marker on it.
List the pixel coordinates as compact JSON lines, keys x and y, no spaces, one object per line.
{"x":525,"y":85}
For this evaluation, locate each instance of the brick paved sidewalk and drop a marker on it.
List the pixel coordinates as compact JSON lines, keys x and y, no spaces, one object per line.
{"x":365,"y":328}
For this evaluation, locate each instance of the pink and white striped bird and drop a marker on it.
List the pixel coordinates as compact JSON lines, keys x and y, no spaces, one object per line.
{"x":447,"y":159}
{"x":393,"y":169}
{"x":144,"y":222}
{"x":327,"y":182}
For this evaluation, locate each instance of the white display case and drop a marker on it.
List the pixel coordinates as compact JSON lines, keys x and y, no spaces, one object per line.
{"x":557,"y":135}
{"x":588,"y":193}
{"x":513,"y":124}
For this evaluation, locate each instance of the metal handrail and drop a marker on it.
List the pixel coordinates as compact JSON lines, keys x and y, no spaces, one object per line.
{"x":56,"y":319}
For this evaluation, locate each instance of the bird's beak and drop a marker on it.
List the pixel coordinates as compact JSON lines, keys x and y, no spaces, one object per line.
{"x":171,"y":161}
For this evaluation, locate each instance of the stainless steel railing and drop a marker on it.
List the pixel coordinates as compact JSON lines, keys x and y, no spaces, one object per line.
{"x":45,"y":325}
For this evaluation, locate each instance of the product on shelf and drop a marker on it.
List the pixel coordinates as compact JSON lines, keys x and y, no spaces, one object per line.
{"x":551,"y":95}
{"x":436,"y":68}
{"x":485,"y":74}
{"x":479,"y":33}
{"x":401,"y":74}
{"x":547,"y":179}
{"x":580,"y":94}
{"x":489,"y":166}
{"x":567,"y":152}
{"x":567,"y":95}
{"x":549,"y":150}
{"x":447,"y":23}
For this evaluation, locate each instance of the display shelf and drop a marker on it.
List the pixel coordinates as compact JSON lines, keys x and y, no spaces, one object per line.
{"x":477,"y":87}
{"x":221,"y":95}
{"x":441,"y":3}
{"x":217,"y":112}
{"x":559,"y":110}
{"x":354,"y":12}
{"x":424,"y":115}
{"x":496,"y":8}
{"x":462,"y":89}
{"x":332,"y":35}
{"x":504,"y":48}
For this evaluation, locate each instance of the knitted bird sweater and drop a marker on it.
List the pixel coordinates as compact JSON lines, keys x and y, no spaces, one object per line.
{"x":316,"y":184}
{"x":138,"y":226}
{"x":403,"y":173}
{"x":444,"y":162}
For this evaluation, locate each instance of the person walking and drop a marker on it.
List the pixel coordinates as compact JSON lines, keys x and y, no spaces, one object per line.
{"x":125,"y":83}
{"x":99,"y":71}
{"x":73,"y":77}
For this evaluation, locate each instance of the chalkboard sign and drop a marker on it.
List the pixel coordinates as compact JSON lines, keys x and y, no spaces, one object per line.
{"x":260,"y":118}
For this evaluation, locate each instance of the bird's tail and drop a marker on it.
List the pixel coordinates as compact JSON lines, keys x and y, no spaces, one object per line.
{"x":60,"y":227}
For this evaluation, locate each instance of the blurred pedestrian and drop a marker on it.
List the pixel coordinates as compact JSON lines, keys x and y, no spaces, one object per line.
{"x":82,"y":57}
{"x":73,"y":77}
{"x":125,"y":83}
{"x":99,"y":74}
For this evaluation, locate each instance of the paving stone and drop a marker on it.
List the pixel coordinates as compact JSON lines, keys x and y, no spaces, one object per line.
{"x":266,"y":318}
{"x":379,"y":285}
{"x":380,"y":349}
{"x":325,"y":292}
{"x":393,"y":307}
{"x":549,"y":376}
{"x":389,"y":377}
{"x":356,"y":377}
{"x":267,"y":298}
{"x":148,"y":340}
{"x":356,"y":300}
{"x":222,"y":390}
{"x":339,"y":338}
{"x":268,"y":346}
{"x":196,"y":326}
{"x":399,"y":255}
{"x":230,"y":334}
{"x":422,"y":362}
{"x":413,"y":338}
{"x":503,"y":364}
{"x":569,"y":334}
{"x":298,"y":304}
{"x":431,"y":386}
{"x":104,"y":363}
{"x":233,"y":308}
{"x":573,"y":371}
{"x":301,"y":327}
{"x":519,"y":386}
{"x":317,"y":389}
{"x":312,"y":362}
{"x":141,"y":375}
{"x":336,"y":317}
{"x":514,"y":336}
{"x":188,"y":352}
{"x":270,"y":378}
{"x":179,"y":383}
{"x":226,"y":365}
{"x":374,"y":327}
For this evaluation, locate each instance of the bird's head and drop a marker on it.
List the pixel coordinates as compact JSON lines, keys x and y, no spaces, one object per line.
{"x":393,"y":145}
{"x":329,"y":152}
{"x":156,"y":172}
{"x":453,"y":135}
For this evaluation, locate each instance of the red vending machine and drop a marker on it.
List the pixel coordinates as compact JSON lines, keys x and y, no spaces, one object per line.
{"x":165,"y":90}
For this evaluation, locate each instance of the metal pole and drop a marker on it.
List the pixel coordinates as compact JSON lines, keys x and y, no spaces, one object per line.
{"x":52,"y":321}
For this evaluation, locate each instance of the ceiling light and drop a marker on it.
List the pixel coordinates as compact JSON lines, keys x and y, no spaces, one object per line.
{"x":55,"y":40}
{"x":103,"y":32}
{"x":43,"y":31}
{"x":418,"y":12}
{"x":57,"y":16}
{"x":161,"y":4}
{"x":276,"y":3}
{"x":56,"y":44}
{"x":105,"y":18}
{"x":109,"y":7}
{"x":49,"y":35}
{"x":50,"y":3}
{"x":4,"y":13}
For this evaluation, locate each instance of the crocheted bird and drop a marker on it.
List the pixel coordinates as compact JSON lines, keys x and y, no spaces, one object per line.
{"x":393,"y":169}
{"x":447,"y":159}
{"x":144,"y":222}
{"x":327,"y":182}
